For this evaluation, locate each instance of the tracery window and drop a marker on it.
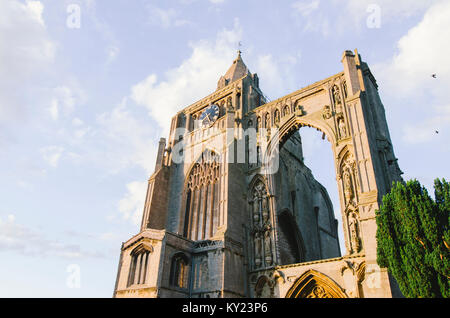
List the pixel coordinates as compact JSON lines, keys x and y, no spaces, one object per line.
{"x":261,"y":226}
{"x":179,"y":271}
{"x":139,"y":264}
{"x":202,"y":198}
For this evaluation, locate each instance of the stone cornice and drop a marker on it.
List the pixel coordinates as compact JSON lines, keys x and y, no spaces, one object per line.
{"x":147,"y":233}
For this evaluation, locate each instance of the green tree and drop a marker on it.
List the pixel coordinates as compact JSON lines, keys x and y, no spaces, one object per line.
{"x":413,"y":238}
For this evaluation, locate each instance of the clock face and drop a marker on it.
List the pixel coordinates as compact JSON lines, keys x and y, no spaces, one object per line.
{"x":209,"y":116}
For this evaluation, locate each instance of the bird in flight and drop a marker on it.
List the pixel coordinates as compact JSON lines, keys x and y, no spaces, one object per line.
{"x":433,"y":75}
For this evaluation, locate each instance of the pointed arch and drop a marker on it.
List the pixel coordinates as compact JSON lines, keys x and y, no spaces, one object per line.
{"x":264,"y":287}
{"x":313,"y":284}
{"x":139,"y":264}
{"x":200,"y":210}
{"x":179,"y":270}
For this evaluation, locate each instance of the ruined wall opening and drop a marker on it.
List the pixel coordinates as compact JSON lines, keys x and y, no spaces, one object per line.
{"x":307,"y":187}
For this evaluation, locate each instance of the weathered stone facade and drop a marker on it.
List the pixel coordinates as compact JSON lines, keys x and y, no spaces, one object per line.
{"x":225,"y":219}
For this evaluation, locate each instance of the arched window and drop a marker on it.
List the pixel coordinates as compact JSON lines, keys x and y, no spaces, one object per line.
{"x":261,"y":244}
{"x":179,"y":271}
{"x":202,"y":198}
{"x":139,"y":265}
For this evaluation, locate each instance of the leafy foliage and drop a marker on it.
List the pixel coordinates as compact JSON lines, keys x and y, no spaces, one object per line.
{"x":413,"y":238}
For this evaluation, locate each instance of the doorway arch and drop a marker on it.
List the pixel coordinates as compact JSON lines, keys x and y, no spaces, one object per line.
{"x":313,"y":284}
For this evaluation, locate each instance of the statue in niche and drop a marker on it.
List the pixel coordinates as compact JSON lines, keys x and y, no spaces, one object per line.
{"x":255,"y":209}
{"x":277,"y":117}
{"x":348,"y":188}
{"x":258,"y":242}
{"x":267,"y":121}
{"x":342,"y":128}
{"x":336,"y":95}
{"x":354,"y":233}
{"x":265,"y":210}
{"x":258,"y":124}
{"x":229,"y":104}
{"x":327,"y":113}
{"x":267,"y":248}
{"x":264,"y":203}
{"x":299,"y":110}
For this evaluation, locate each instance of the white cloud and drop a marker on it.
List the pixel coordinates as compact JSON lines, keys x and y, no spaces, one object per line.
{"x":132,"y":204}
{"x":306,"y":8}
{"x":77,"y":122}
{"x":390,"y":10}
{"x":27,"y":241}
{"x":25,"y":50}
{"x":195,"y":78}
{"x":422,"y":52}
{"x":52,"y":154}
{"x":166,"y":18}
{"x":64,"y":101}
{"x":309,"y":18}
{"x":276,"y":74}
{"x":125,"y":139}
{"x":111,"y":53}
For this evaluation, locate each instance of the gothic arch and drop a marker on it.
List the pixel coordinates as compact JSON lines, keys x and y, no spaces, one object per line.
{"x":142,"y":247}
{"x":261,"y":243}
{"x":342,"y":151}
{"x":257,"y":178}
{"x":179,"y":270}
{"x":140,"y":255}
{"x":200,"y":199}
{"x":264,"y":287}
{"x":293,"y":124}
{"x":313,"y":284}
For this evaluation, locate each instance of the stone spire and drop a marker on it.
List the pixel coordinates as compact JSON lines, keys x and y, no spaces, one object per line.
{"x":237,"y":70}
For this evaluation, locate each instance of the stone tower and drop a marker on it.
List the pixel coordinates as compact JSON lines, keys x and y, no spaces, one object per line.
{"x":232,"y":211}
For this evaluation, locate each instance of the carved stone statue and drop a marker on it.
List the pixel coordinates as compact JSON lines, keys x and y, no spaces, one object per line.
{"x":336,"y":95}
{"x":268,"y":248}
{"x":277,"y":117}
{"x":326,"y":112}
{"x":342,"y":128}
{"x":354,"y":234}
{"x":348,"y":188}
{"x":255,"y":209}
{"x":318,"y":292}
{"x":258,"y":250}
{"x":229,"y":104}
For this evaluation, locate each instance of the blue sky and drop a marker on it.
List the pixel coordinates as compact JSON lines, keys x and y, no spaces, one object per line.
{"x":82,"y":108}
